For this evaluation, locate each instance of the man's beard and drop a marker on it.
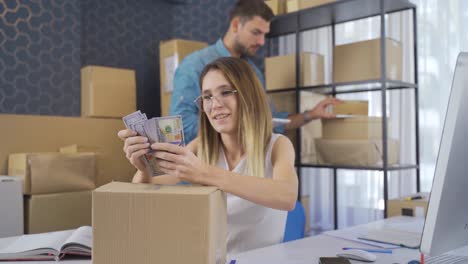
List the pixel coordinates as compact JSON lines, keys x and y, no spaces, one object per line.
{"x":243,"y":50}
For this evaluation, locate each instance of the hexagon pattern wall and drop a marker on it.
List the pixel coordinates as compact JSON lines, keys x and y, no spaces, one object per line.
{"x":40,"y":57}
{"x":44,"y":43}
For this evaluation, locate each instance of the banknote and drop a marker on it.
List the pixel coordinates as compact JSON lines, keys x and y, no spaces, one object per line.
{"x":158,"y":129}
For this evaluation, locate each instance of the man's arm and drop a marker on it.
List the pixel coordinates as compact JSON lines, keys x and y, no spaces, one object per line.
{"x":186,"y":90}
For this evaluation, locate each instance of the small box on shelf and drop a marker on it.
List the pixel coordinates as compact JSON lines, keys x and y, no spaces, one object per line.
{"x":280,"y":71}
{"x":360,"y":61}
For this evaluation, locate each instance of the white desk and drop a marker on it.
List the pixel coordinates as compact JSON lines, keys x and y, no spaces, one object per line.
{"x":303,"y":251}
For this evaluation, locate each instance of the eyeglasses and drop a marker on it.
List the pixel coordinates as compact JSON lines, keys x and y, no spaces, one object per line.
{"x":205,"y":102}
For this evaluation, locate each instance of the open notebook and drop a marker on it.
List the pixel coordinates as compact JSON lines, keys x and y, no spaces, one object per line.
{"x":49,"y":246}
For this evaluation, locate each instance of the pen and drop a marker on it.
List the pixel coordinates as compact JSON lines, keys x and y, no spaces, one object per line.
{"x":386,"y":251}
{"x":409,"y":198}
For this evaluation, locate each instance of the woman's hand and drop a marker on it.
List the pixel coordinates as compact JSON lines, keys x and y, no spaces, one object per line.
{"x":180,"y":162}
{"x":135,"y":147}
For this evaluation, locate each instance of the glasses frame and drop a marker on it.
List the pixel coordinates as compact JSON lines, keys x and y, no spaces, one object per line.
{"x":219,"y":97}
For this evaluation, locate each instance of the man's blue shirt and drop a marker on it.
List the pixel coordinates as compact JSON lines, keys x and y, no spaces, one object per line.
{"x":187,"y":88}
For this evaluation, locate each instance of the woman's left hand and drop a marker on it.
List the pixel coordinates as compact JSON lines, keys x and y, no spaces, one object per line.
{"x":179,"y":162}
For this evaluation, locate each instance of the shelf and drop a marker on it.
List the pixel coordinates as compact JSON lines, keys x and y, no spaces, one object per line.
{"x":351,"y":87}
{"x":374,"y":168}
{"x":332,"y":13}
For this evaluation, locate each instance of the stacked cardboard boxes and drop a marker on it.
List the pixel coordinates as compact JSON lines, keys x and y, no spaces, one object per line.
{"x":57,"y":189}
{"x":171,"y":54}
{"x":145,"y":223}
{"x":354,"y":141}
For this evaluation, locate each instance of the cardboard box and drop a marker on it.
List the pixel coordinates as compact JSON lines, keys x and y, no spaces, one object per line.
{"x":355,"y":152}
{"x":351,"y":107}
{"x":280,"y":71}
{"x":58,"y":211}
{"x":144,"y":223}
{"x":43,"y":173}
{"x":277,"y":6}
{"x":296,"y":5}
{"x":107,"y":92}
{"x":361,"y":61}
{"x":311,"y":130}
{"x":401,"y":206}
{"x":49,"y":133}
{"x":171,"y":54}
{"x":11,"y":207}
{"x":358,"y":127}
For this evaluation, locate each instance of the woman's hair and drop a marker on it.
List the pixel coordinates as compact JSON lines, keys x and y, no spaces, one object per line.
{"x":254,"y":116}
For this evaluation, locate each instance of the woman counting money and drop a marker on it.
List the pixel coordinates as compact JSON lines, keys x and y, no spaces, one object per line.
{"x":235,"y":151}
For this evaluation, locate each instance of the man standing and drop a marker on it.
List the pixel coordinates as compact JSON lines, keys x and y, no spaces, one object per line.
{"x":249,"y":22}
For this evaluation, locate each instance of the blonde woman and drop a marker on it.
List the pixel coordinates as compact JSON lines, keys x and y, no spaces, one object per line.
{"x":235,"y":151}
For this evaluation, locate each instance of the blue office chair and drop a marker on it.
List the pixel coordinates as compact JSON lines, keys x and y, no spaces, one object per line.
{"x":295,"y":223}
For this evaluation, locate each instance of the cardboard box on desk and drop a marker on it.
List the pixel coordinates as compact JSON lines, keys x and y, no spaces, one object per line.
{"x":43,"y":173}
{"x":401,"y":206}
{"x":107,"y":92}
{"x":355,"y":152}
{"x":49,"y":133}
{"x":358,"y":127}
{"x":171,"y":54}
{"x":144,"y":223}
{"x":360,"y":61}
{"x":280,"y":71}
{"x":58,"y":211}
{"x":296,"y":5}
{"x":11,"y":206}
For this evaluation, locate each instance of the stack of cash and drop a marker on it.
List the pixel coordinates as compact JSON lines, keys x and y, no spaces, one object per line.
{"x":167,"y":129}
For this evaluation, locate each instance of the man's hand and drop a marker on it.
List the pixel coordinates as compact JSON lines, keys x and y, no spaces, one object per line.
{"x":320,"y":110}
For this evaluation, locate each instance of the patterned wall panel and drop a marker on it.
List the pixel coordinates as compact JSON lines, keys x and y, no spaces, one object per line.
{"x":122,"y":33}
{"x":40,"y":57}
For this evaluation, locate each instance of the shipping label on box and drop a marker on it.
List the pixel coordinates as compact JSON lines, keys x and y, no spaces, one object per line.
{"x":361,"y":61}
{"x":11,"y":206}
{"x":171,"y":54}
{"x":158,"y":224}
{"x":43,"y":173}
{"x":280,"y":71}
{"x":58,"y":211}
{"x":107,"y":92}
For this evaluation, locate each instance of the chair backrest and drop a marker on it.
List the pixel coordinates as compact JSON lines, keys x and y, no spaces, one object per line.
{"x":295,"y":223}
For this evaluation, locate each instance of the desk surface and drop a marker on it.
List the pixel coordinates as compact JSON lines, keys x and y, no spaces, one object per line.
{"x":303,"y":251}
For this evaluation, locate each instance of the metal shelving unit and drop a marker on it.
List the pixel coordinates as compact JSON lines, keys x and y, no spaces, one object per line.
{"x":329,"y":15}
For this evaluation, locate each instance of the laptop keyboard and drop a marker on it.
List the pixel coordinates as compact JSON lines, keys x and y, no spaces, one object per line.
{"x":446,"y":259}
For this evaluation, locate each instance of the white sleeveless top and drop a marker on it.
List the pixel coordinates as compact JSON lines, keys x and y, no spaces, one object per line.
{"x":251,"y":225}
